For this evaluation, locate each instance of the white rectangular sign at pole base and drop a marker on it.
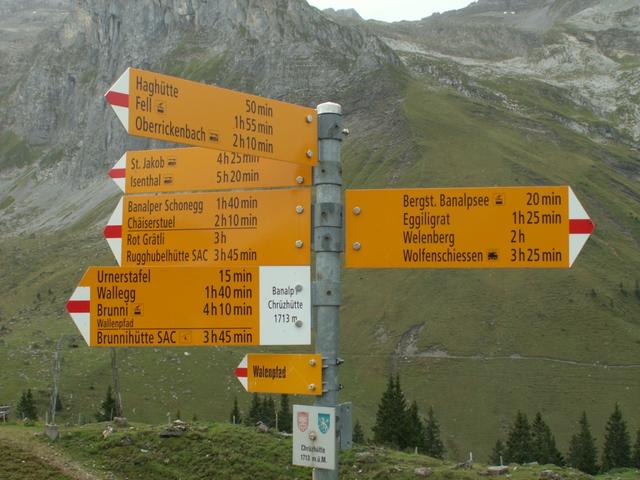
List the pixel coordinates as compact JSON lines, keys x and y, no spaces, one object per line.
{"x":314,"y":436}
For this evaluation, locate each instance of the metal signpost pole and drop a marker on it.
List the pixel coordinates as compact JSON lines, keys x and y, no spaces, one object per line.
{"x":328,"y":244}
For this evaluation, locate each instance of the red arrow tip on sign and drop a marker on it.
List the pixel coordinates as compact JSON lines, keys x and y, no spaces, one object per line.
{"x":113,"y":231}
{"x":117,"y":173}
{"x":117,"y":99}
{"x":78,"y":306}
{"x":582,"y":225}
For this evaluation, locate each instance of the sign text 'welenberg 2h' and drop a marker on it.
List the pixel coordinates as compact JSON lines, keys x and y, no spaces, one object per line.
{"x":167,"y":108}
{"x":294,"y":374}
{"x":192,"y":168}
{"x":256,"y":227}
{"x":193,"y":306}
{"x":498,"y":227}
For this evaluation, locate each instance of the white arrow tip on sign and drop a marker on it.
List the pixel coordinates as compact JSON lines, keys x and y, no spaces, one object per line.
{"x":78,"y":307}
{"x":241,"y":373}
{"x":118,"y":97}
{"x":113,"y":232}
{"x":118,"y":172}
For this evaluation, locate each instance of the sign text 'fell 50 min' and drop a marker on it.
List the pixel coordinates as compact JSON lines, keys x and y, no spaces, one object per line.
{"x":162,"y":107}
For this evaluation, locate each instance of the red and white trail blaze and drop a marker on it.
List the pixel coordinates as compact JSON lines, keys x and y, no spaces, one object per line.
{"x":580,"y":226}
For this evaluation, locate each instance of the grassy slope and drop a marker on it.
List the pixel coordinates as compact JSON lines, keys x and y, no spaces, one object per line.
{"x":588,"y":315}
{"x":564,"y":324}
{"x":18,"y":464}
{"x":226,"y":451}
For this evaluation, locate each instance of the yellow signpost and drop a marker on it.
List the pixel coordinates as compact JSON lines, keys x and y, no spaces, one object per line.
{"x":193,"y":169}
{"x":259,"y":227}
{"x":294,"y":374}
{"x":500,"y":227}
{"x":162,"y":107}
{"x":191,"y":306}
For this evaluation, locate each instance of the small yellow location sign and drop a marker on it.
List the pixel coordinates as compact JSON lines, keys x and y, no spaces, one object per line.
{"x":193,"y":306}
{"x":294,"y":374}
{"x":499,"y":227}
{"x":193,"y":168}
{"x":258,"y":227}
{"x":192,"y":113}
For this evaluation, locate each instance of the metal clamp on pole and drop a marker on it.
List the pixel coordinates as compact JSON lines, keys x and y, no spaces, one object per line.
{"x":326,"y":362}
{"x":327,"y":214}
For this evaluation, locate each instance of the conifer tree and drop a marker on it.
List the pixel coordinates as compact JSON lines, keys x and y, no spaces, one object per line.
{"x":635,"y":460}
{"x":414,"y":433}
{"x":498,"y":453}
{"x":269,"y":412}
{"x":583,"y":453}
{"x":617,"y":445}
{"x":555,"y":456}
{"x":26,"y":407}
{"x":543,"y":443}
{"x":255,"y":410}
{"x":391,"y":418}
{"x":285,"y":416}
{"x":107,"y":407}
{"x":383,"y":430}
{"x":400,"y":412}
{"x":519,"y":440}
{"x":234,"y":416}
{"x":433,"y":444}
{"x":358,"y":433}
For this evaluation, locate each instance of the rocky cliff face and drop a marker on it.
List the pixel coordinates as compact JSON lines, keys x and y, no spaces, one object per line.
{"x":586,"y":48}
{"x":21,"y":23}
{"x":63,"y":55}
{"x":282,"y":49}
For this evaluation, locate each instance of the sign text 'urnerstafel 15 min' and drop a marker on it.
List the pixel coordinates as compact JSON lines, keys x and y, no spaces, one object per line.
{"x":186,"y":306}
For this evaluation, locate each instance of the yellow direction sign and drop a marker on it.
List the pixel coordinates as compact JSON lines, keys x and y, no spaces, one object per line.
{"x":158,"y":106}
{"x":500,"y":227}
{"x":259,"y":227}
{"x":294,"y":374}
{"x":193,"y":306}
{"x":193,"y":168}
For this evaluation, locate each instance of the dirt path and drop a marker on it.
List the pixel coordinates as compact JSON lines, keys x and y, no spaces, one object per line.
{"x":515,"y":356}
{"x":24,"y":439}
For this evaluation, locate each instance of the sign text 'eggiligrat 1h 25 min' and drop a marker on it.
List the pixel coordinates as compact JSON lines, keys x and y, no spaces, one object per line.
{"x":496,"y":227}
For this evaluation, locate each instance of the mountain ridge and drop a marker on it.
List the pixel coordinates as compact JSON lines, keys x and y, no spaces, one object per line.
{"x":419,"y":117}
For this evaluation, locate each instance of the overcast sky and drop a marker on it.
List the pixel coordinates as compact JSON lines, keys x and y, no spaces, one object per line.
{"x":392,"y":10}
